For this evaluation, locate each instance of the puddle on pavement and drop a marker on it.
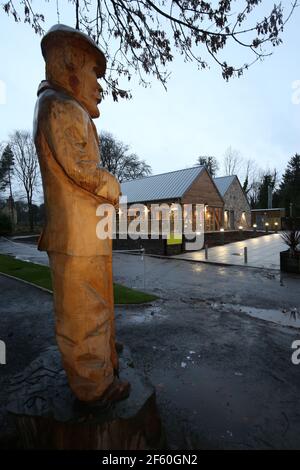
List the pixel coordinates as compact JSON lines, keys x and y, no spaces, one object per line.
{"x":145,"y":315}
{"x":281,"y":317}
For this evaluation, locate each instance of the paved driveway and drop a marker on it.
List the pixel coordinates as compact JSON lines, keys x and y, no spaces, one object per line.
{"x":223,"y":378}
{"x":23,"y":251}
{"x":263,"y":252}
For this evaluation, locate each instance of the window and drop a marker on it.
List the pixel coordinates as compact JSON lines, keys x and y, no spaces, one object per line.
{"x":213,"y":218}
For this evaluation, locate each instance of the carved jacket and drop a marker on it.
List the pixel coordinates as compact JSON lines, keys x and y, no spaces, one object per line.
{"x":67,"y":145}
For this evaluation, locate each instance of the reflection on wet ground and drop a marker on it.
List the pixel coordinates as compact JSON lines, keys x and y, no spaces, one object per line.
{"x":290,"y":317}
{"x":142,"y":315}
{"x":224,"y":377}
{"x":262,"y":252}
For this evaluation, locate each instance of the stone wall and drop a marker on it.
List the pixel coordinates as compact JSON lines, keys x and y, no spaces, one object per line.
{"x":235,"y":200}
{"x":152,"y":246}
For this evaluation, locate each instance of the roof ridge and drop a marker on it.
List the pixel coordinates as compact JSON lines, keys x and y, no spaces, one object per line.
{"x":226,"y":176}
{"x":160,"y":174}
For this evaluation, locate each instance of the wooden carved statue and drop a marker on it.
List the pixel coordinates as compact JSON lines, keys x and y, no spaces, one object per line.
{"x":74,"y":185}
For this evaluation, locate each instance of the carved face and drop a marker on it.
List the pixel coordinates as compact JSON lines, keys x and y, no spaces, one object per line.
{"x":89,"y":91}
{"x":77,"y":71}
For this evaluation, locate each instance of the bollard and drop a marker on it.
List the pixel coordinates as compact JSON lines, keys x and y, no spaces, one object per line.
{"x":143,"y":257}
{"x":206,"y":251}
{"x":245,"y":255}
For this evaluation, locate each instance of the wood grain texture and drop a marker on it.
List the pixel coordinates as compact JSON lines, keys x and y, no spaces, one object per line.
{"x":74,"y":186}
{"x":203,"y":191}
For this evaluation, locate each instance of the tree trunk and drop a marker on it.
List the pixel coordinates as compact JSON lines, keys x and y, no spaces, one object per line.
{"x":11,"y":203}
{"x":30,"y":212}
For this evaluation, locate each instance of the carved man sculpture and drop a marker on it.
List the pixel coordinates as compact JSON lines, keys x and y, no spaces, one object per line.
{"x":74,"y":185}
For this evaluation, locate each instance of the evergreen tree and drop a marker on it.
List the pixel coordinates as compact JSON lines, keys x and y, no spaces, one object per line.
{"x":289,"y":191}
{"x":268,"y":179}
{"x":6,"y":174}
{"x":246,"y":185}
{"x":210,"y":163}
{"x":6,"y":169}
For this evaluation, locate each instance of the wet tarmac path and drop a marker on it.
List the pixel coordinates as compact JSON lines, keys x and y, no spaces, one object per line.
{"x":224,"y":378}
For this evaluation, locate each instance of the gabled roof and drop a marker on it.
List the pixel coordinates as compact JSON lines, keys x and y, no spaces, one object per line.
{"x":172,"y":185}
{"x":223,"y":183}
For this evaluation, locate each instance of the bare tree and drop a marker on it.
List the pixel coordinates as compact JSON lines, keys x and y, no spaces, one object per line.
{"x":141,"y":36}
{"x":26,"y":166}
{"x":253,"y":194}
{"x":232,"y":161}
{"x":115,"y":157}
{"x":251,"y":175}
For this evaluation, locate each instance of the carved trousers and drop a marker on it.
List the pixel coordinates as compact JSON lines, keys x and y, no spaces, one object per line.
{"x":84,"y":321}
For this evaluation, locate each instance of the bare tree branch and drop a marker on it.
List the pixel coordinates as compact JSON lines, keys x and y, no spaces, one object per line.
{"x":140,"y":36}
{"x":115,"y":157}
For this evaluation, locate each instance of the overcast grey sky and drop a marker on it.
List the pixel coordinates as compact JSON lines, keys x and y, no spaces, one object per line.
{"x":199,"y":114}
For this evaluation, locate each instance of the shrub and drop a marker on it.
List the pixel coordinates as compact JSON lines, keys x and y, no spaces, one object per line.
{"x":5,"y":224}
{"x":292,"y":239}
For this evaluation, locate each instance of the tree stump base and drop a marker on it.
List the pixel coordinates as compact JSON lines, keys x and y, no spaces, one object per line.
{"x":49,"y":416}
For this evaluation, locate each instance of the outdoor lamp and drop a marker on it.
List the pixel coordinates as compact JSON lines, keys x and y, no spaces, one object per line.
{"x":222,"y":235}
{"x":241,"y":232}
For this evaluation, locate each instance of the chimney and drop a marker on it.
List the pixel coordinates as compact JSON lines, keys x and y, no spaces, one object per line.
{"x":270,"y":197}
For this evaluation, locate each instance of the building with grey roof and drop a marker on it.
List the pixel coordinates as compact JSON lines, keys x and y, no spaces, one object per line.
{"x":162,"y":187}
{"x":237,"y":211}
{"x":225,"y":207}
{"x":187,"y":186}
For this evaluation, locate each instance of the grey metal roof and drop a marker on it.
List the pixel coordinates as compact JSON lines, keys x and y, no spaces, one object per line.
{"x":170,"y":185}
{"x":223,"y":183}
{"x":272,"y":209}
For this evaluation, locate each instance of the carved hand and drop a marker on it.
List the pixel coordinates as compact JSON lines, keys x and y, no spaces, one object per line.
{"x":109,"y":188}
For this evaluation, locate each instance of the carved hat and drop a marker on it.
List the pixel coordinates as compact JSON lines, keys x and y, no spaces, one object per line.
{"x":60,"y":33}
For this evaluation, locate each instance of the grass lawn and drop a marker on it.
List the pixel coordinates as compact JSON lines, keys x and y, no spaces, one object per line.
{"x":40,"y":275}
